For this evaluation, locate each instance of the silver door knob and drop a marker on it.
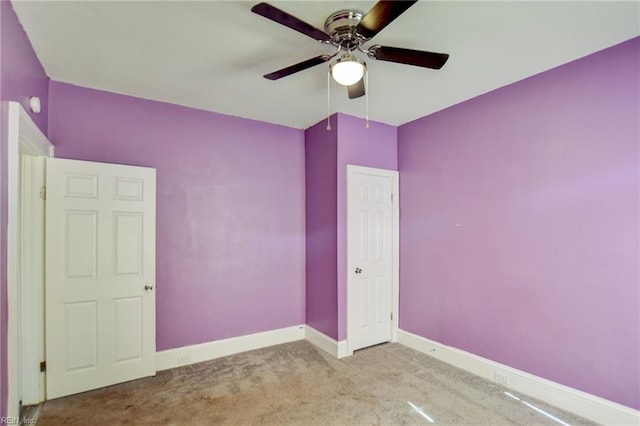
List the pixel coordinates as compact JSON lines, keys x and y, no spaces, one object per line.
{"x":148,"y":287}
{"x":358,"y":271}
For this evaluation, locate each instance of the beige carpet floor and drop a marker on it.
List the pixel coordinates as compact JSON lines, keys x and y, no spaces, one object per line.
{"x":298,"y":384}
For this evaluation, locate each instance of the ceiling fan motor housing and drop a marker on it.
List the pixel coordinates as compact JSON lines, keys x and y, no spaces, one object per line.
{"x":341,"y":26}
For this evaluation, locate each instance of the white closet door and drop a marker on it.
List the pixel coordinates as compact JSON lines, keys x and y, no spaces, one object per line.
{"x":370,"y":257}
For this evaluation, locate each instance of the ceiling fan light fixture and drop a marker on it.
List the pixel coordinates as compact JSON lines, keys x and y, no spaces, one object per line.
{"x":348,"y":69}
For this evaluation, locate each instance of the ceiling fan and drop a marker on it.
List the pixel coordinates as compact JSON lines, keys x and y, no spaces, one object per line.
{"x":348,"y":31}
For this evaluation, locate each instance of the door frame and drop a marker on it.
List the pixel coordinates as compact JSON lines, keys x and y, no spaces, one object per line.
{"x":25,"y":334}
{"x":395,"y":241}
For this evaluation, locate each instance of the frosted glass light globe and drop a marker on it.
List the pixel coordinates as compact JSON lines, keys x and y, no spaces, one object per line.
{"x":347,"y":70}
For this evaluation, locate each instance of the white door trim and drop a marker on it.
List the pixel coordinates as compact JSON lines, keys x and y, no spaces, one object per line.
{"x":32,"y":279}
{"x":23,"y":138}
{"x":395,"y":228}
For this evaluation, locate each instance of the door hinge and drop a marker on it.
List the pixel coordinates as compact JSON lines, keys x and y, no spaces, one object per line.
{"x":43,"y":366}
{"x":43,"y":193}
{"x":391,"y":316}
{"x":392,"y":197}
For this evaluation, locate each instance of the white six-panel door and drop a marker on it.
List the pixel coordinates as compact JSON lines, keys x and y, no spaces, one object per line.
{"x":370,"y":247}
{"x":100,"y":275}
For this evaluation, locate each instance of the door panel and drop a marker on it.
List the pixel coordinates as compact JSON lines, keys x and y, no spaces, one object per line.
{"x":128,"y":329}
{"x":370,"y":258}
{"x":80,"y":334}
{"x":100,"y":255}
{"x":128,"y":243}
{"x":81,"y":248}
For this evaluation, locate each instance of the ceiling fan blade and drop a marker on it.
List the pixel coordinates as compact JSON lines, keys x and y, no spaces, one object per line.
{"x":381,"y":15}
{"x":300,"y":66}
{"x":356,"y":89}
{"x":408,"y":56}
{"x":282,"y":17}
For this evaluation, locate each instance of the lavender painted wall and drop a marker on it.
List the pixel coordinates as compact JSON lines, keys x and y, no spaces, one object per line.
{"x":230,"y":208}
{"x":519,"y":230}
{"x":376,"y":146}
{"x":327,"y":155}
{"x":21,"y":76}
{"x":321,"y":221}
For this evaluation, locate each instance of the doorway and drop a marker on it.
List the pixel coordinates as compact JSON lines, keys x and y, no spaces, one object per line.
{"x":372,"y":256}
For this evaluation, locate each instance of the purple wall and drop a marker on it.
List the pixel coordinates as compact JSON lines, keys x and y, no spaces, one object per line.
{"x":321,"y":156}
{"x":21,"y":76}
{"x":230,"y":208}
{"x":377,"y":147}
{"x":327,"y":155}
{"x":519,"y":230}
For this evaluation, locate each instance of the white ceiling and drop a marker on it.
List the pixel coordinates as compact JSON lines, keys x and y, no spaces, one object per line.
{"x":212,"y":55}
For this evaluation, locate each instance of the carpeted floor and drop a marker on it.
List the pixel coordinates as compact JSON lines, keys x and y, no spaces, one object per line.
{"x":298,"y":384}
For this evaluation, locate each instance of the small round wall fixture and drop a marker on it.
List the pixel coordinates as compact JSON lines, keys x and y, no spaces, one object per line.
{"x":34,"y":104}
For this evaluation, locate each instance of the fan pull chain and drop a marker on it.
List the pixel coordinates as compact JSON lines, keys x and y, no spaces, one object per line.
{"x":366,"y":98}
{"x":328,"y":100}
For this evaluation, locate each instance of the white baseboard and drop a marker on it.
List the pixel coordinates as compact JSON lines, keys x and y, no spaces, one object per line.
{"x":211,"y":350}
{"x":326,"y":343}
{"x":581,"y":403}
